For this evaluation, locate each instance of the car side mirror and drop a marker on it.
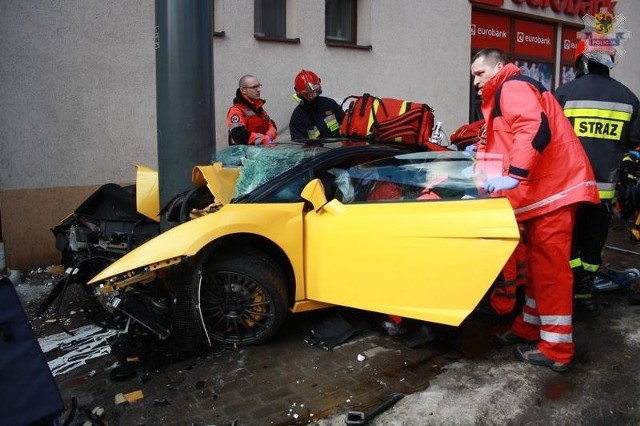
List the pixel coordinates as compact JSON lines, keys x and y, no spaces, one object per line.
{"x":314,"y":193}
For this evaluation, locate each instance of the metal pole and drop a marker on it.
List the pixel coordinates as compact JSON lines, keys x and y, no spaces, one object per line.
{"x":184,"y":92}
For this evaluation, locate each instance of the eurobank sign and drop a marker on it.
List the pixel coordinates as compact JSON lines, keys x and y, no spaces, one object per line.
{"x":567,"y":7}
{"x":520,"y":37}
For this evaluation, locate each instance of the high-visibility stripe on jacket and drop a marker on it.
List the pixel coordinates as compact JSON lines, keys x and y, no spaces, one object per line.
{"x":519,"y":115}
{"x":249,"y":123}
{"x":320,"y":118}
{"x":604,"y":114}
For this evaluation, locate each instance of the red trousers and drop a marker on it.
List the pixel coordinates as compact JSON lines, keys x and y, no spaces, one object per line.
{"x":546,"y":315}
{"x":514,"y":274}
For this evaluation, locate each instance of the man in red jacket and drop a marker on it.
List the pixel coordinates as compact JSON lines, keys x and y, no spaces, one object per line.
{"x":545,"y":174}
{"x":249,"y":123}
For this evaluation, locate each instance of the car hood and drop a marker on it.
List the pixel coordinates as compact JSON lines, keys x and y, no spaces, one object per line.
{"x":220,"y":180}
{"x":166,"y":246}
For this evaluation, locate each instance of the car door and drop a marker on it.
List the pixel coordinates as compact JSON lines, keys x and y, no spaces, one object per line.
{"x":430,"y":255}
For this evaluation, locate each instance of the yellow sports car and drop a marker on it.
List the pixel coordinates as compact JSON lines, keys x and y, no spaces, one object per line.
{"x":296,"y":227}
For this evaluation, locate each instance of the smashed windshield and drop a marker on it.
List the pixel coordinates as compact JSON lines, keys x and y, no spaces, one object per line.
{"x":419,"y":176}
{"x":260,"y":164}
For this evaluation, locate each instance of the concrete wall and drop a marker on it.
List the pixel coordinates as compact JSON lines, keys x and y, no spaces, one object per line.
{"x":627,"y":69}
{"x":77,"y":90}
{"x":77,"y":102}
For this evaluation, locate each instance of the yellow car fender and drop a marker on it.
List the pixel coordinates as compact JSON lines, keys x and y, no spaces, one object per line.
{"x":280,"y":223}
{"x":147,"y":192}
{"x":221,"y":181}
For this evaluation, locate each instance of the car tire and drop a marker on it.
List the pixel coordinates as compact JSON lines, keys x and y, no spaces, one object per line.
{"x":242,"y":297}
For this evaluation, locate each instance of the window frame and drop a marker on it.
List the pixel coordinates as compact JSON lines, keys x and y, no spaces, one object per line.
{"x":352,"y":43}
{"x":258,"y":17}
{"x":216,"y":18}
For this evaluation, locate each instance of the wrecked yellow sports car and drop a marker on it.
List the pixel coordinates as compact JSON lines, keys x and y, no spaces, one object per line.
{"x":296,"y":227}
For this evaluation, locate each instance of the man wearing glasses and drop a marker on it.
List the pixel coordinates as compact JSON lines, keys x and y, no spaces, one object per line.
{"x":249,"y":123}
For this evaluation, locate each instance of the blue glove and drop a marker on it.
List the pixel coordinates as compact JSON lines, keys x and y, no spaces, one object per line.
{"x":500,"y":183}
{"x":471,"y":148}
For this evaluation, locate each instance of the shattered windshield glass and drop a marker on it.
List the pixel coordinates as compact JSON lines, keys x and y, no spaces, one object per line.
{"x":260,"y":164}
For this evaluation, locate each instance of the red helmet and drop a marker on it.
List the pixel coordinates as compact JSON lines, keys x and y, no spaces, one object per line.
{"x":307,"y":84}
{"x":581,"y":47}
{"x":597,"y":48}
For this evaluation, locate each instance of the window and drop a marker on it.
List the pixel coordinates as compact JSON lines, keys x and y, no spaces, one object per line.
{"x":569,"y":39}
{"x":270,"y":19}
{"x":274,"y":19}
{"x":348,"y":23}
{"x":340,"y":21}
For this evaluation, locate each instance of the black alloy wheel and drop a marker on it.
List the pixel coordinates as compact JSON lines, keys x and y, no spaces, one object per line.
{"x":242,"y":298}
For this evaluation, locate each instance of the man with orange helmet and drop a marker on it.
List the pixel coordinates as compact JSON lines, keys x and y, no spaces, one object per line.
{"x":249,"y":123}
{"x":316,"y":116}
{"x":604,"y":115}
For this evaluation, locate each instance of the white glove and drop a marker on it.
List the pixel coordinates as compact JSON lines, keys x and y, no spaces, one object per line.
{"x":471,"y":148}
{"x":500,"y":183}
{"x":264,"y":140}
{"x":343,"y":182}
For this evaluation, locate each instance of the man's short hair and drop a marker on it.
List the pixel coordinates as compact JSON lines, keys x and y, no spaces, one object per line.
{"x":244,"y":78}
{"x":491,"y":55}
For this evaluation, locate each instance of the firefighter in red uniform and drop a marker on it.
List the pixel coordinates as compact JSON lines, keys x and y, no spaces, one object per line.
{"x":249,"y":123}
{"x":604,"y":115}
{"x":546,"y":173}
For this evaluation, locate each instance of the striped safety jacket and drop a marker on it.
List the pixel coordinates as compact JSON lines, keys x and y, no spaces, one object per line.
{"x":320,"y":118}
{"x":604,"y":115}
{"x":525,"y":123}
{"x":249,"y":123}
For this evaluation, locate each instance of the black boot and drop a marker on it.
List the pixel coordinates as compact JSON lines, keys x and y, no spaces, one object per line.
{"x":584,"y":306}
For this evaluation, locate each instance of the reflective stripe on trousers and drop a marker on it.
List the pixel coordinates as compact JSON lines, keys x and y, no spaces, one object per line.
{"x":549,"y":290}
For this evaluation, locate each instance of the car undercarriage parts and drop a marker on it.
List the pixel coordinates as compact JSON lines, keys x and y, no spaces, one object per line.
{"x":106,"y":225}
{"x":330,"y":332}
{"x":152,"y":313}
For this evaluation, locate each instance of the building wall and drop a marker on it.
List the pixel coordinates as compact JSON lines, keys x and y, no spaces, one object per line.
{"x":78,"y":91}
{"x":77,"y":102}
{"x":413,"y":56}
{"x":28,"y":215}
{"x":77,"y":87}
{"x":627,"y":69}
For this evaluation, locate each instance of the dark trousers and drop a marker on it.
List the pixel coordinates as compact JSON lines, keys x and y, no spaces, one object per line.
{"x":589,"y":236}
